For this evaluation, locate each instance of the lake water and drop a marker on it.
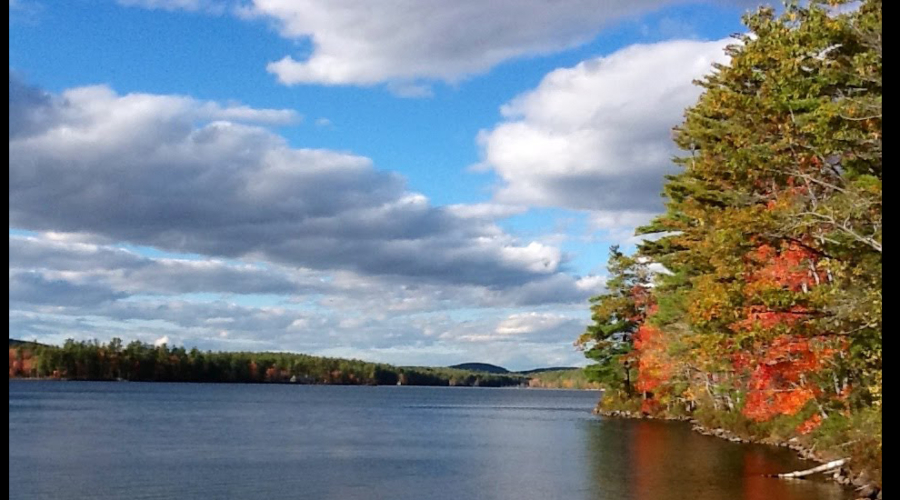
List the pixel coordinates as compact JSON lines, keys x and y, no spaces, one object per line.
{"x":141,"y":440}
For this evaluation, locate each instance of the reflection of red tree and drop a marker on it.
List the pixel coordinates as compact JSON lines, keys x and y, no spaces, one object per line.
{"x":649,"y":460}
{"x":756,"y":485}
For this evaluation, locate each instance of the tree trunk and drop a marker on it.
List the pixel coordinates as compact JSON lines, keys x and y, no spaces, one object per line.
{"x":830,"y":466}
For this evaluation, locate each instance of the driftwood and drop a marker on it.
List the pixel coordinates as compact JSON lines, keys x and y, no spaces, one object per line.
{"x":830,"y":466}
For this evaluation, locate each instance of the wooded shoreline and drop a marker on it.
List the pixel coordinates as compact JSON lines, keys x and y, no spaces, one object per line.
{"x":139,"y":362}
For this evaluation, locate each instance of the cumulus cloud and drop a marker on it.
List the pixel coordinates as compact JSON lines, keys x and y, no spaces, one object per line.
{"x":128,"y":272}
{"x":188,"y":176}
{"x":35,"y":288}
{"x":524,"y":324}
{"x":487,"y":211}
{"x":28,"y":106}
{"x":531,"y":327}
{"x":597,"y":136}
{"x":242,"y":113}
{"x":123,"y":273}
{"x":402,"y":42}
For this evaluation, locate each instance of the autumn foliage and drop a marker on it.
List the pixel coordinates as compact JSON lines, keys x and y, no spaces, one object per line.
{"x":779,"y":383}
{"x":654,"y":367}
{"x":21,"y":363}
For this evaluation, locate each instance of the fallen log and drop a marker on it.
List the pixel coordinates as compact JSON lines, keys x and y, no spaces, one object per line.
{"x":830,"y":466}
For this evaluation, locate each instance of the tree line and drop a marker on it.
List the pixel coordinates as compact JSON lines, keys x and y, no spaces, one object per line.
{"x":138,"y":361}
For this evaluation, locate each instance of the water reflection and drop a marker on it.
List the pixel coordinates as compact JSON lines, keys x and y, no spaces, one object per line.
{"x":647,"y":460}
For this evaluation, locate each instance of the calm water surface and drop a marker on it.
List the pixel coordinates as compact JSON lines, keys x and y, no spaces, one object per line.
{"x":137,"y":440}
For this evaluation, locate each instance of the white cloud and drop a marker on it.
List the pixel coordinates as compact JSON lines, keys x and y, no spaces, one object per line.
{"x":246,"y":114}
{"x":597,"y":136}
{"x":612,"y":220}
{"x":488,"y":211}
{"x":528,"y":323}
{"x":127,"y":272}
{"x":534,"y":327}
{"x":402,"y":42}
{"x":399,"y":89}
{"x":45,"y":270}
{"x":591,"y":284}
{"x":535,"y":257}
{"x":618,"y":226}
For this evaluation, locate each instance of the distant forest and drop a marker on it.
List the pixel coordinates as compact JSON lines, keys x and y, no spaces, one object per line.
{"x":137,"y":361}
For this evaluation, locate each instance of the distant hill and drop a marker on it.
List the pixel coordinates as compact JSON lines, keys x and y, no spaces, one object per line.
{"x":489,"y":368}
{"x":14,"y":343}
{"x":480,"y":367}
{"x":551,"y":369}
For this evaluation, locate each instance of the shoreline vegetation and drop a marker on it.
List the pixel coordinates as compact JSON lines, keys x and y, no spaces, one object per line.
{"x":136,"y":361}
{"x":753,"y":306}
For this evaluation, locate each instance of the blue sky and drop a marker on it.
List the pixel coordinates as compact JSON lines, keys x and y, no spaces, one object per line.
{"x":412,"y":182}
